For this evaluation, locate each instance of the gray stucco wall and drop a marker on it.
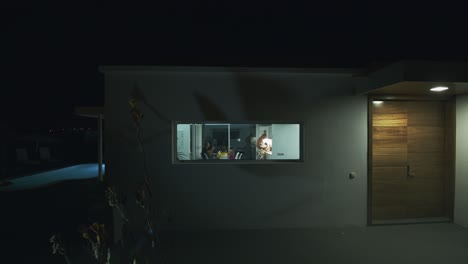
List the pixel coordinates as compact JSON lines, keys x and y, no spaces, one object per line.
{"x":315,"y":193}
{"x":461,"y":167}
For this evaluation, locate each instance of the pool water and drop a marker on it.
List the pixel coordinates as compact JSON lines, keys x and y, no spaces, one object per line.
{"x":76,"y":172}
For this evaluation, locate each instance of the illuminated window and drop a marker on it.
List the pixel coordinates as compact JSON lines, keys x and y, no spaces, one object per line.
{"x":214,"y":142}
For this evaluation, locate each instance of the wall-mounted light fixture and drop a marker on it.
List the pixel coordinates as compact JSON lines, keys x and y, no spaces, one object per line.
{"x":376,"y":102}
{"x":439,"y":89}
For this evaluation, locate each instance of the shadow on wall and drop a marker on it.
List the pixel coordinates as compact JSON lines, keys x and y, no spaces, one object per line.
{"x":127,"y":136}
{"x":265,"y":99}
{"x":261,"y":98}
{"x":139,"y":96}
{"x":209,"y":109}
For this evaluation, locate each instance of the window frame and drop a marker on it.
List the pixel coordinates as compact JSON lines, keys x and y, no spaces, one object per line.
{"x":176,"y":161}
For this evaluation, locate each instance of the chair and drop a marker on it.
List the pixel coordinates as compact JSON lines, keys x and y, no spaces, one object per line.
{"x":23,"y":157}
{"x":238,"y":155}
{"x":204,"y":156}
{"x":44,"y":153}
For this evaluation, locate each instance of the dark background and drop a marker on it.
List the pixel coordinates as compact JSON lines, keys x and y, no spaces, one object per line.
{"x":50,"y":54}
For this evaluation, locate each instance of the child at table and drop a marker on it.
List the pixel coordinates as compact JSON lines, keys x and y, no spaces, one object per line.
{"x":222,"y":154}
{"x":231,"y":154}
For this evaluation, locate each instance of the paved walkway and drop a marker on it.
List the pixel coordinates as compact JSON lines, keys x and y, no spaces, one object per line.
{"x":405,"y":244}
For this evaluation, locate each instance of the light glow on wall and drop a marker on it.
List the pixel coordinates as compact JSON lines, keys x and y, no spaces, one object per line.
{"x":377,"y":102}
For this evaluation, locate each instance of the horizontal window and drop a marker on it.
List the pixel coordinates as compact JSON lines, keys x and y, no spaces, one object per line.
{"x":232,"y":141}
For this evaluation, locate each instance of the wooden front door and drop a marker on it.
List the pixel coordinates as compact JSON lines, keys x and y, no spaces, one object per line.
{"x":411,"y":157}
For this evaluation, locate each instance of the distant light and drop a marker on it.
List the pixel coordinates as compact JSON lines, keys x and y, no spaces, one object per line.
{"x":439,"y":88}
{"x":377,"y":102}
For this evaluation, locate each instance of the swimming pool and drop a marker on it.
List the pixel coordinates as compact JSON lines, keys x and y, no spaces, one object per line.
{"x":76,"y":172}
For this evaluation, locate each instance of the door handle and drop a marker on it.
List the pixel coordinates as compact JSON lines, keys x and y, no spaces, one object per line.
{"x":409,"y":171}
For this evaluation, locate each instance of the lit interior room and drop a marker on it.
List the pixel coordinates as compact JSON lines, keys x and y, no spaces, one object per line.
{"x":246,"y":142}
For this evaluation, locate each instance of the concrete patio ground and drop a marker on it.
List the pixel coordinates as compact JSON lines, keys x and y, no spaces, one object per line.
{"x":416,"y":243}
{"x":29,"y":218}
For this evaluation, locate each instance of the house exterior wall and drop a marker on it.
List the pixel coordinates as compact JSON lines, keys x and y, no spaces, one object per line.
{"x":461,"y":163}
{"x":313,"y":193}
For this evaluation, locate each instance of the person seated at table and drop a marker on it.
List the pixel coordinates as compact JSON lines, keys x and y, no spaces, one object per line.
{"x":262,"y":147}
{"x":207,"y":151}
{"x":231,"y":154}
{"x":222,"y":154}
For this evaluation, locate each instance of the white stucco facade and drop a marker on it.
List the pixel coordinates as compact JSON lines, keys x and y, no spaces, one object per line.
{"x":313,"y":193}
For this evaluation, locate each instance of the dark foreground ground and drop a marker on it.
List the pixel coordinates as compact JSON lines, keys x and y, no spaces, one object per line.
{"x":29,"y":218}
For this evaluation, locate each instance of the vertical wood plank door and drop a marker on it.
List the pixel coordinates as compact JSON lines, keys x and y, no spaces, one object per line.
{"x":410,"y":160}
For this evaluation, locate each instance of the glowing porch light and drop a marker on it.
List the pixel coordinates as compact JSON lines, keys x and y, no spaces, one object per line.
{"x":439,"y":88}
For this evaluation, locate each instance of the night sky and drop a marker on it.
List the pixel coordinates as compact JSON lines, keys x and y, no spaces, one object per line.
{"x":50,"y":55}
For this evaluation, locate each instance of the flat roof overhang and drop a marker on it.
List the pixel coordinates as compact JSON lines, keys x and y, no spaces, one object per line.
{"x":415,"y":78}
